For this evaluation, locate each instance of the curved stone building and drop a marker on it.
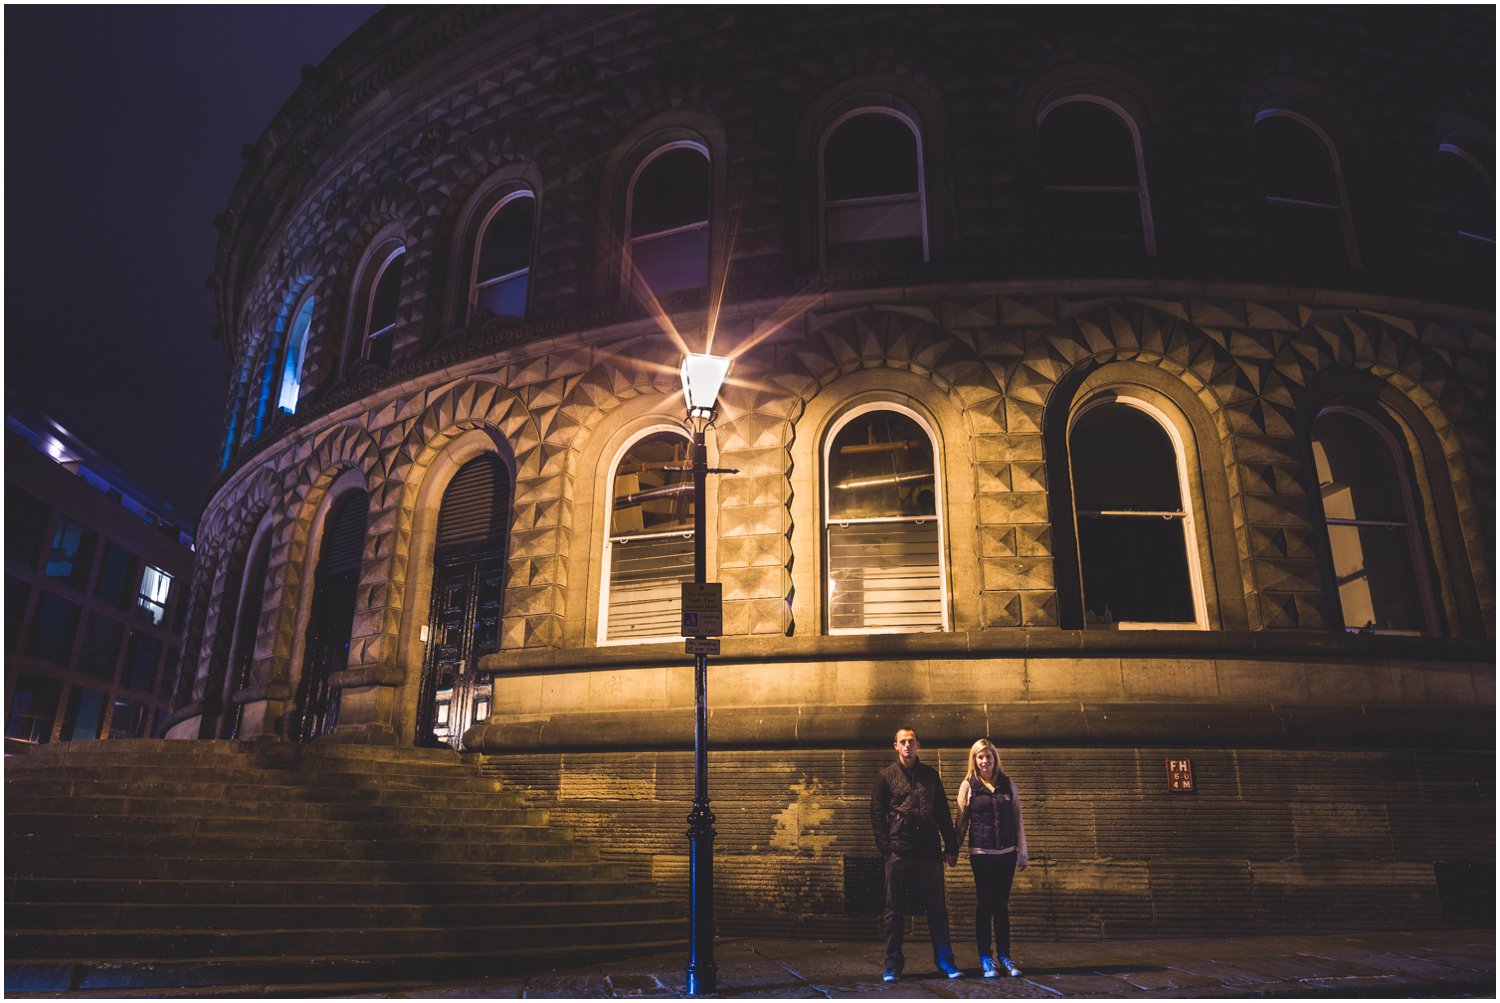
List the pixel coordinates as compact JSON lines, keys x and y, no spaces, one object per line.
{"x":1116,"y":387}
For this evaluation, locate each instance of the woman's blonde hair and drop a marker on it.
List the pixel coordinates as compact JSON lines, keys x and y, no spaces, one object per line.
{"x":974,"y":750}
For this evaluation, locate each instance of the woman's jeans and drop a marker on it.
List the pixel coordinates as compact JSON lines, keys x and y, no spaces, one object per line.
{"x":993,"y":873}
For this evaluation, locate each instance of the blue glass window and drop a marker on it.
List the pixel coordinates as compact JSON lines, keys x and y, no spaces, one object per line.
{"x":296,"y":350}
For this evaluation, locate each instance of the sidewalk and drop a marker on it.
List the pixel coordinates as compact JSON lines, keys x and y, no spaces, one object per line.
{"x":1448,"y":963}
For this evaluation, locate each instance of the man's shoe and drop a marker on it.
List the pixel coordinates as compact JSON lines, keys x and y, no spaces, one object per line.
{"x":949,"y":969}
{"x":891,"y":975}
{"x":990,"y":971}
{"x":1010,"y":967}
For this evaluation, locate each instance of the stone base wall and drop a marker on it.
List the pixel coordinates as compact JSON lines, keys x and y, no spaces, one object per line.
{"x":1272,"y":839}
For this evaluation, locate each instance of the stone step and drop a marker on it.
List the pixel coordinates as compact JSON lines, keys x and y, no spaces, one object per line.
{"x":573,"y":882}
{"x":32,"y":864}
{"x":290,"y":810}
{"x":124,"y":918}
{"x":250,"y":977}
{"x":130,"y":945}
{"x":420,"y":798}
{"x":23,"y":824}
{"x":520,"y":843}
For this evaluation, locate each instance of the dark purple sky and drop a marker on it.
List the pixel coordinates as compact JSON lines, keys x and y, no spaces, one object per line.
{"x":123,"y":130}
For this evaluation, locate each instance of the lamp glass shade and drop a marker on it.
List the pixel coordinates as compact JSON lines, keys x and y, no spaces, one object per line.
{"x":702,"y":376}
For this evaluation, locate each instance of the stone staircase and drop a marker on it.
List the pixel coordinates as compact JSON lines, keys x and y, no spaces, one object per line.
{"x":132,"y":865}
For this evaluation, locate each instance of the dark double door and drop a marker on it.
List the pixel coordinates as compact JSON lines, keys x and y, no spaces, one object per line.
{"x":463,"y":626}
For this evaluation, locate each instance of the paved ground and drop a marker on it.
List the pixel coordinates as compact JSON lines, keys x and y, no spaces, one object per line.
{"x":1431,"y":964}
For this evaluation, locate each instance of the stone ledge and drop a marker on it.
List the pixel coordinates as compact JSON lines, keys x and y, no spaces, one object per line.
{"x":1032,"y":724}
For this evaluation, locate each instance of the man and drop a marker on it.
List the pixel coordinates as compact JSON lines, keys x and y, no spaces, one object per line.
{"x":909,"y":812}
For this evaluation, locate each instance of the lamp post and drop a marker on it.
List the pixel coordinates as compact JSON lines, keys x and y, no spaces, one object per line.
{"x":702,"y":376}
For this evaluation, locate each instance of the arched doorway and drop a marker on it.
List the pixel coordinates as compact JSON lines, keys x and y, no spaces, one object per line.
{"x":468,"y":586}
{"x":331,"y":621}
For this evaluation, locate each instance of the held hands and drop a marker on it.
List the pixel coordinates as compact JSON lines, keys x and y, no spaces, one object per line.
{"x":951,"y":860}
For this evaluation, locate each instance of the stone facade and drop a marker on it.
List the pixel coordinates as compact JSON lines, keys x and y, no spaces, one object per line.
{"x":996,"y":341}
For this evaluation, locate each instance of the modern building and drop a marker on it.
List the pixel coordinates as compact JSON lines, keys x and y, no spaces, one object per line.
{"x":1117,"y":385}
{"x":96,"y":569}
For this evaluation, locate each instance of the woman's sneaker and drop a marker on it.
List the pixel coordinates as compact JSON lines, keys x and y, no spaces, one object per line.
{"x":1010,"y":967}
{"x":990,"y":971}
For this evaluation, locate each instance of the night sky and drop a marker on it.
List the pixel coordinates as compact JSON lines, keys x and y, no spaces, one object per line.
{"x":123,"y":130}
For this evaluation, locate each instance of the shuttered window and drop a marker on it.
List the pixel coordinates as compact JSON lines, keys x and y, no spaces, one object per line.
{"x":475,"y":504}
{"x":650,"y":549}
{"x":884,"y":539}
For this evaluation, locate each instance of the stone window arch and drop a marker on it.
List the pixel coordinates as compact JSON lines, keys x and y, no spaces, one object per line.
{"x":649,"y":537}
{"x":378,"y":300}
{"x":1093,"y":169}
{"x":292,"y":356}
{"x":1134,"y":517}
{"x":1376,"y":547}
{"x":1467,"y":183}
{"x":883,"y":535}
{"x":872,"y":189}
{"x":1304,"y":193}
{"x":502,"y":256}
{"x":668,"y":204}
{"x":331,"y":609}
{"x":248,"y":603}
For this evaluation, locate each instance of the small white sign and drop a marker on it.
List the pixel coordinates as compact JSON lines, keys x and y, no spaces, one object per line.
{"x":702,"y":624}
{"x":702,"y":609}
{"x":702,"y":645}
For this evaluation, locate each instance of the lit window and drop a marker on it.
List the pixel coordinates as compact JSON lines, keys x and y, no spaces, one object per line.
{"x":502,"y":263}
{"x":650,"y":550}
{"x":1304,"y":192}
{"x":1091,"y":178}
{"x":1469,"y":193}
{"x":872,"y":191}
{"x":385,"y":297}
{"x":156,"y":585}
{"x":1135,"y":536}
{"x":667,"y":219}
{"x":1371,"y":535}
{"x":296,"y":350}
{"x":884,"y":538}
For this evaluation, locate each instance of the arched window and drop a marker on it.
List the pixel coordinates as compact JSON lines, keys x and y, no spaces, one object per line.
{"x":872,"y":190}
{"x":649,"y":553}
{"x":1469,"y":194}
{"x":502,"y":259}
{"x":293,"y":356}
{"x":1093,"y":178}
{"x":666,"y":219}
{"x":381,"y":312}
{"x":330,"y":622}
{"x":246,"y":632}
{"x":1307,"y":207}
{"x":883,"y":536}
{"x":1136,"y":548}
{"x":468,"y":592}
{"x":1373,"y":539}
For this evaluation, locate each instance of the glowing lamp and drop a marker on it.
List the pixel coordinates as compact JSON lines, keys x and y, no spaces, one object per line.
{"x":702,"y":376}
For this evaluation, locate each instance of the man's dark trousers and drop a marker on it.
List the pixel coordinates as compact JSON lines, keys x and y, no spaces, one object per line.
{"x":915,"y":884}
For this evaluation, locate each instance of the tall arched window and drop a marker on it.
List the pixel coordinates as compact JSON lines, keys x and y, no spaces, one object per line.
{"x":293,"y":356}
{"x":381,"y":311}
{"x":1093,"y":173}
{"x":1373,"y":539}
{"x":502,"y":259}
{"x":246,"y":632}
{"x":884,"y":538}
{"x":1307,"y":206}
{"x":330,"y":622}
{"x":1468,"y":192}
{"x":666,"y":219}
{"x":468,"y":592}
{"x":1136,"y":546}
{"x":872,"y":190}
{"x":649,"y":553}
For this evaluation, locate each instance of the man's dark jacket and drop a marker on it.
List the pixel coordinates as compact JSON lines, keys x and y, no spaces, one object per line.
{"x":909,"y":813}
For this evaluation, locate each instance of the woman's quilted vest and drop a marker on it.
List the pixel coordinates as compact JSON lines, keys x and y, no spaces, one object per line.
{"x":992,"y":816}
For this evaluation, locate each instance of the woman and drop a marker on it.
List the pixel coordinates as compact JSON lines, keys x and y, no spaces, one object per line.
{"x":989,"y":812}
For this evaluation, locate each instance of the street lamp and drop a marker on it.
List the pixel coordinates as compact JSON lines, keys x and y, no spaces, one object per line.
{"x":702,"y":376}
